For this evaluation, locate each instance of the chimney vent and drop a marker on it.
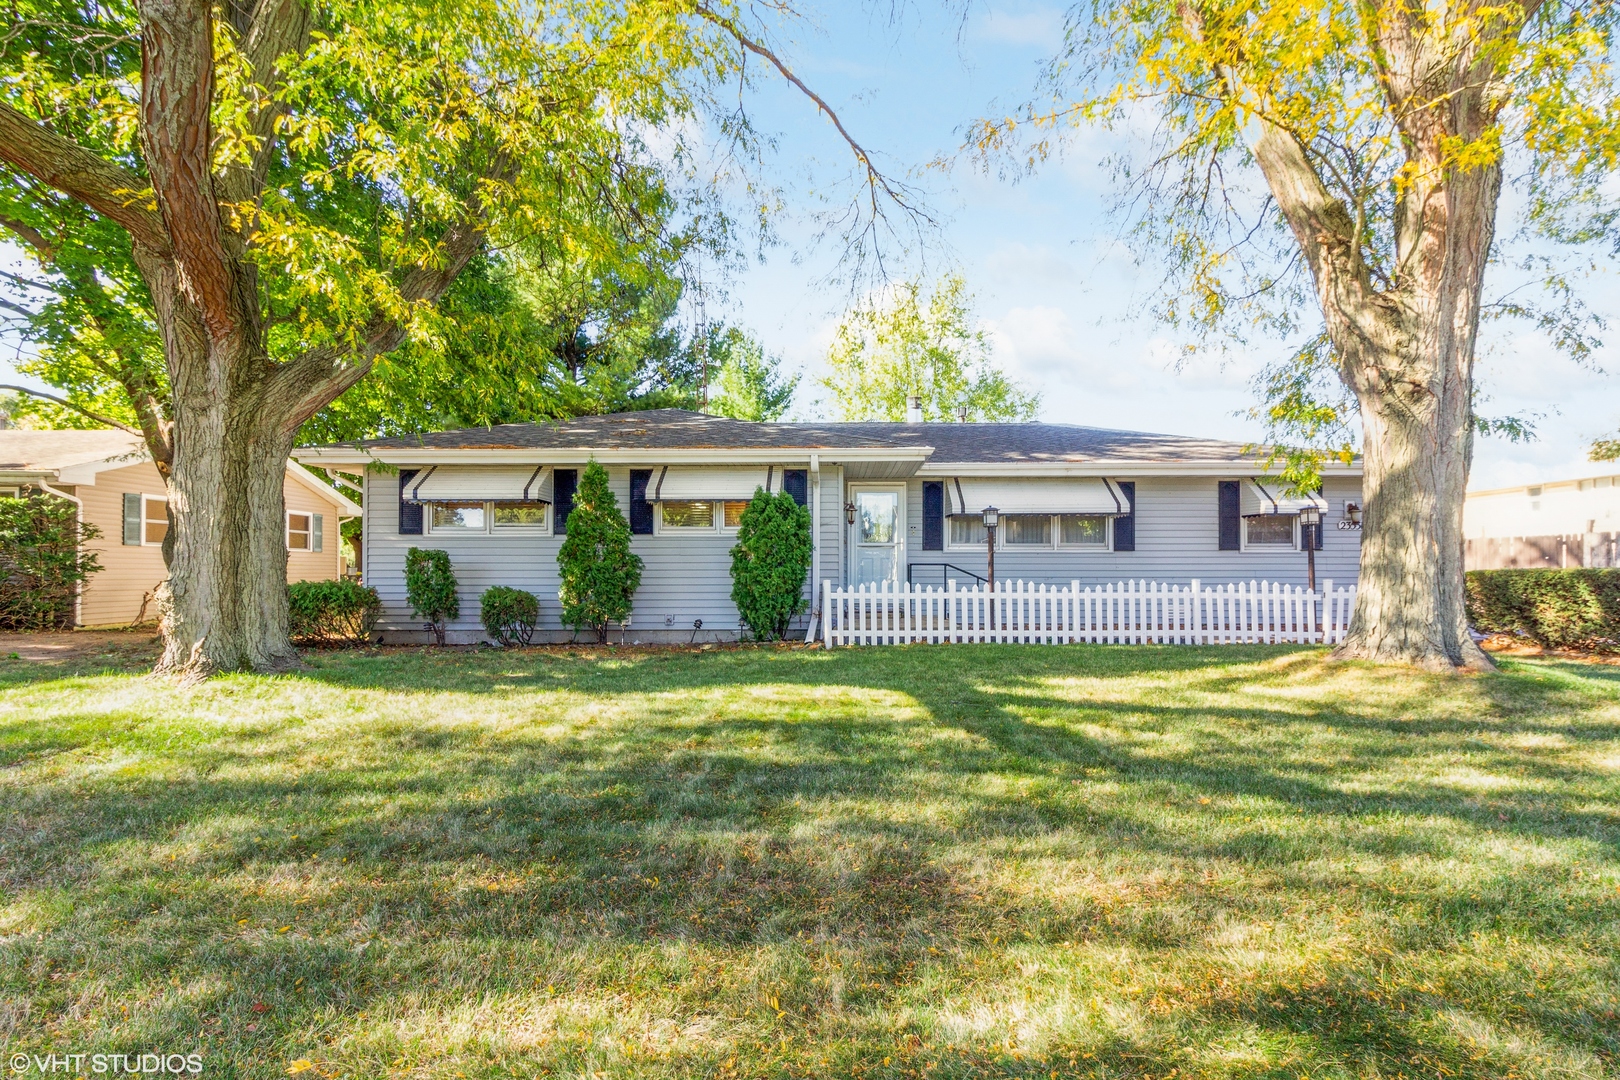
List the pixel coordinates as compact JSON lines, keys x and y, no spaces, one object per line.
{"x":914,"y":409}
{"x":961,"y":414}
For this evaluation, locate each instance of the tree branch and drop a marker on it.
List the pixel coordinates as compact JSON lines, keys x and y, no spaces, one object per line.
{"x":32,"y":237}
{"x":108,"y":189}
{"x":875,"y":179}
{"x":53,"y":399}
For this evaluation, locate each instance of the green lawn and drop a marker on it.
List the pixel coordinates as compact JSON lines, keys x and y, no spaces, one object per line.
{"x":917,"y":862}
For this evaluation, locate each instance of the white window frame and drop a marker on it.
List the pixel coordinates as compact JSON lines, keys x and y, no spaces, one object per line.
{"x":717,"y":518}
{"x":145,"y":498}
{"x":1055,"y":544}
{"x":1271,"y":547}
{"x":309,"y":532}
{"x":11,"y":492}
{"x":490,"y":528}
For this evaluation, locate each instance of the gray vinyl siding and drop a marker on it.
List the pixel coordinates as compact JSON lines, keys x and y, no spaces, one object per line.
{"x":684,"y":578}
{"x":1177,"y":527}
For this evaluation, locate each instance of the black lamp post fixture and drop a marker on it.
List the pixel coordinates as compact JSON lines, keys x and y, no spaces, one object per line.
{"x":1310,"y":519}
{"x":992,"y":518}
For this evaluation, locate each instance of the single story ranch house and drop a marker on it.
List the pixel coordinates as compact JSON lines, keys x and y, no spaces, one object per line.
{"x":898,"y":502}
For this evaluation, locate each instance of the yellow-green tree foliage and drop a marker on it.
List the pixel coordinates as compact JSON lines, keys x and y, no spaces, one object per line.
{"x":908,"y":340}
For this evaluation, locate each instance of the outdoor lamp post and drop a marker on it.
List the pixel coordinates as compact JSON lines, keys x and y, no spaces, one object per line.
{"x":1310,"y":519}
{"x":992,"y":517}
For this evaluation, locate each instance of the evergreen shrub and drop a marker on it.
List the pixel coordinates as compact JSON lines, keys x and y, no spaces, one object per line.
{"x":340,"y":612}
{"x":430,"y":588}
{"x":509,"y":615}
{"x":769,"y":564}
{"x":600,"y":574}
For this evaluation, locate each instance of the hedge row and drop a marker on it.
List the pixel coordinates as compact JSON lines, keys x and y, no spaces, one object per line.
{"x":1577,"y":608}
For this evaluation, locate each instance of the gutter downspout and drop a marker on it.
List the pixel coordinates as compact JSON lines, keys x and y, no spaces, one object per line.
{"x":815,"y":548}
{"x":78,"y":519}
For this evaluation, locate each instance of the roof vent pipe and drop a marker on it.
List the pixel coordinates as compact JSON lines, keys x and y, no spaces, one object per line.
{"x":914,"y":409}
{"x":961,"y":414}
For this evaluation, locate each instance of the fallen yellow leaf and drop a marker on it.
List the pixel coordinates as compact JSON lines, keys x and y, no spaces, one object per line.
{"x":301,"y":1065}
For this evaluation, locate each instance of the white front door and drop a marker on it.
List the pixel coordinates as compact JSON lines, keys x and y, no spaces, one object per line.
{"x":879,"y":531}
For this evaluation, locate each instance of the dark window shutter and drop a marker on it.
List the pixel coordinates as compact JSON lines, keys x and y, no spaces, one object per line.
{"x":562,"y":489}
{"x":933,"y":515}
{"x":132,"y":517}
{"x":1231,"y":507}
{"x":641,"y":511}
{"x":410,"y":514}
{"x":1125,"y":526}
{"x":796,"y":482}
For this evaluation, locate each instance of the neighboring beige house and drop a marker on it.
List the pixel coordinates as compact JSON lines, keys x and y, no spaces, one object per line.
{"x":111,"y":477}
{"x":1573,"y":522}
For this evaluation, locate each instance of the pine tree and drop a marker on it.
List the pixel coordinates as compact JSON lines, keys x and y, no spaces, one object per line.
{"x":769,"y":564}
{"x":600,"y":573}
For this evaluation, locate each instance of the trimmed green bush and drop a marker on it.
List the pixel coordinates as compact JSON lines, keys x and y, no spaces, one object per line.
{"x":42,"y":562}
{"x":509,"y":615}
{"x":599,"y":572}
{"x":332,"y":612}
{"x":1577,"y":608}
{"x":769,"y":564}
{"x":430,"y":588}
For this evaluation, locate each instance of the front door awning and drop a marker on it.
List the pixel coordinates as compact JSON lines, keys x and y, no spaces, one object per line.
{"x":1265,"y":496}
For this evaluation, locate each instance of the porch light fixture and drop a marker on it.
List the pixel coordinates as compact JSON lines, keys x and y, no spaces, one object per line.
{"x":849,"y":513}
{"x":1352,"y":513}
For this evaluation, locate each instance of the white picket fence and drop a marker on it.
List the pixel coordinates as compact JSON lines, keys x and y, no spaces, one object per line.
{"x":1125,"y":613}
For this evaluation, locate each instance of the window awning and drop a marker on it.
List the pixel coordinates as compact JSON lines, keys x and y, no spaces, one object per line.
{"x":1066,"y":495}
{"x":1266,"y":497}
{"x":476,"y":483}
{"x":674,"y":483}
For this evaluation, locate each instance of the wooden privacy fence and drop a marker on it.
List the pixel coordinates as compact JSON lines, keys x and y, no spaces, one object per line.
{"x":1123,"y":613}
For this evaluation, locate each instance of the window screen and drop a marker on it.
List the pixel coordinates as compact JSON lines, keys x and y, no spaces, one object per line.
{"x":967,"y":530}
{"x":155,"y":525}
{"x":1089,"y":530}
{"x":298,"y":532}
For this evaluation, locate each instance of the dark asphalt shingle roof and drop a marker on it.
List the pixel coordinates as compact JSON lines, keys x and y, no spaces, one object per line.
{"x":672,"y":429}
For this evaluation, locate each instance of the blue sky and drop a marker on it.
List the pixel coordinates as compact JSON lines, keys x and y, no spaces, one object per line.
{"x":1060,"y":295}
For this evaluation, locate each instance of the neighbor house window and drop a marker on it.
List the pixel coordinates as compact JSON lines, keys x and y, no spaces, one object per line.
{"x":1083,"y":530}
{"x":1270,"y":530}
{"x":686,"y":515}
{"x":1034,"y":531}
{"x":154,"y":519}
{"x":10,"y":493}
{"x":299,"y":529}
{"x":485,"y":518}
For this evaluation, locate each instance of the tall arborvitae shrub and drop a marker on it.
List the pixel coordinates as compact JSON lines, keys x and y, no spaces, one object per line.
{"x":430,"y":588}
{"x":42,"y":562}
{"x":600,"y":574}
{"x":769,"y":564}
